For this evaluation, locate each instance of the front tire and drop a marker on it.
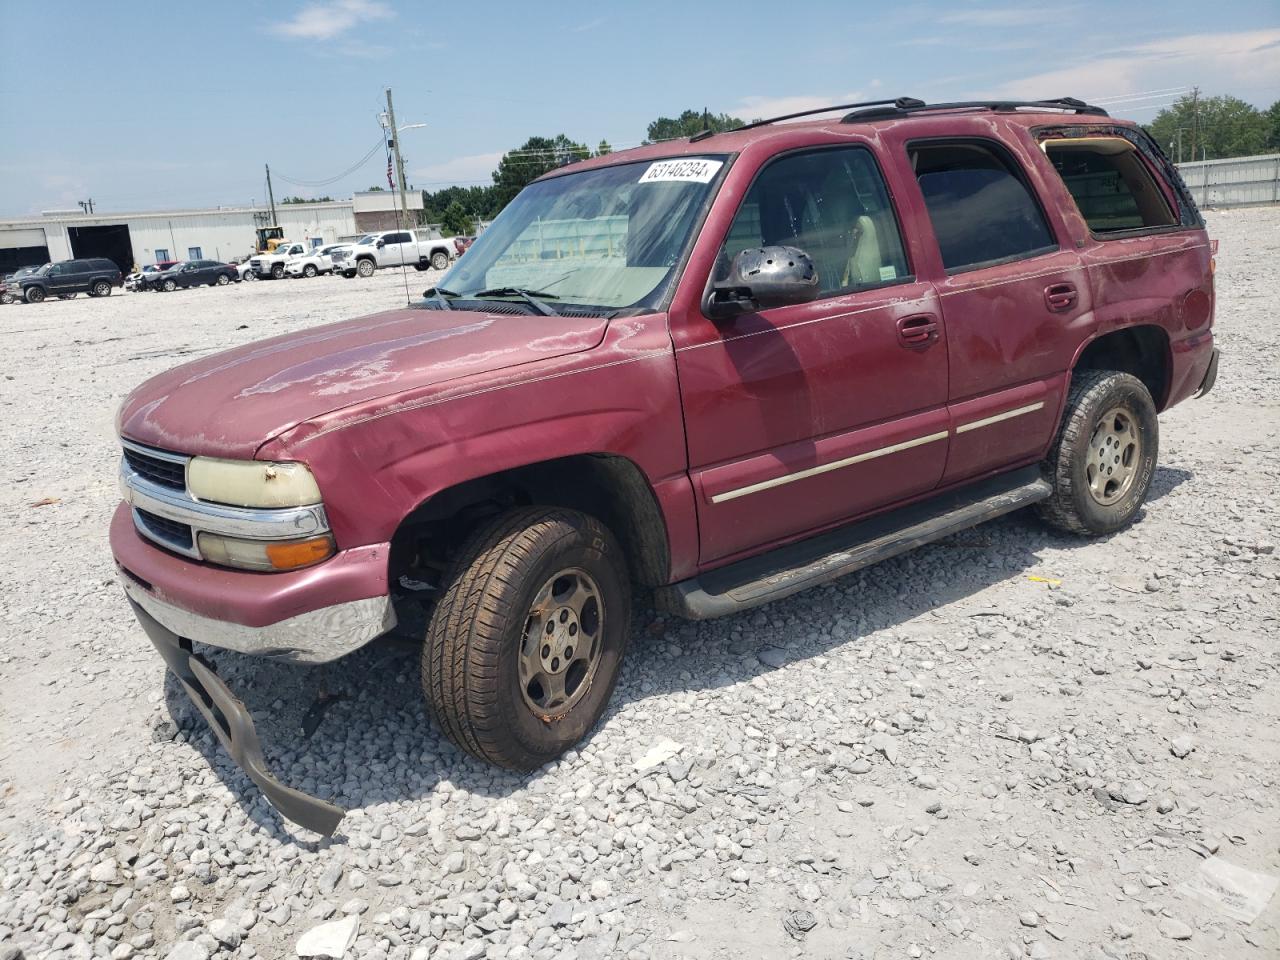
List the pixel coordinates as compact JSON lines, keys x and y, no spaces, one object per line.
{"x":524,"y":646}
{"x":169,"y":286}
{"x":34,"y":295}
{"x":365,"y":268}
{"x":309,"y":271}
{"x":1104,"y":457}
{"x":277,"y":271}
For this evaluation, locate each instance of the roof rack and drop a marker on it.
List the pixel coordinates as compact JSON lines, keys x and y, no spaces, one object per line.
{"x":905,"y":107}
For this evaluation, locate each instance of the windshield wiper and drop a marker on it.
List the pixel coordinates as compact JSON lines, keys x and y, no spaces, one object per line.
{"x":528,"y":296}
{"x":440,"y":296}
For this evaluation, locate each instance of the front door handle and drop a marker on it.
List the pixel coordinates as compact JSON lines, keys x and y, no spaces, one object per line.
{"x":918,"y":331}
{"x":1060,"y":296}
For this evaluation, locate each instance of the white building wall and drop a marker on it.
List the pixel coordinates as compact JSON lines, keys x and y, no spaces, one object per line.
{"x":220,"y":234}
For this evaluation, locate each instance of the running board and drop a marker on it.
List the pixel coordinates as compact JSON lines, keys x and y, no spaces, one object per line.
{"x":798,"y":566}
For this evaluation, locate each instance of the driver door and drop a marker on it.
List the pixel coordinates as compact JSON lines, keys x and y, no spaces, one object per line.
{"x":804,"y":416}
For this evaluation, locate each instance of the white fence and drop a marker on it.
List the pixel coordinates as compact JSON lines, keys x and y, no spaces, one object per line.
{"x":1236,"y":182}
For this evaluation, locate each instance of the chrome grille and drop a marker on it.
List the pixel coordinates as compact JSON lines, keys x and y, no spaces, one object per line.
{"x":171,"y":473}
{"x":164,"y":530}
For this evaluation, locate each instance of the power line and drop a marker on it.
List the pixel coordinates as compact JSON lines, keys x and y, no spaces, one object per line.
{"x":334,"y":179}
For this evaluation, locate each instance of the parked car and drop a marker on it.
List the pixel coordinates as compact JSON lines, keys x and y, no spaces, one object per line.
{"x":10,"y":290}
{"x":462,"y":244}
{"x":64,"y":279}
{"x":192,"y":273}
{"x":421,"y":249}
{"x":246,"y":270}
{"x":136,"y":281}
{"x":721,"y":382}
{"x":272,"y":264}
{"x":311,"y":263}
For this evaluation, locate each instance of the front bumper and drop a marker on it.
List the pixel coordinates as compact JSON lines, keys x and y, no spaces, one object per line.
{"x":233,"y":726}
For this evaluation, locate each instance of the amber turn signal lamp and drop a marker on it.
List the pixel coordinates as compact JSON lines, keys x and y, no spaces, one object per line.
{"x":299,"y":553}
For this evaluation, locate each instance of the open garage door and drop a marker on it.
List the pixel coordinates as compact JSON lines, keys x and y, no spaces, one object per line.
{"x":23,"y":247}
{"x":111,"y":241}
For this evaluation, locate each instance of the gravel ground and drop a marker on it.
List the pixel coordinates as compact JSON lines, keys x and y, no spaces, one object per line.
{"x":1009,"y":744}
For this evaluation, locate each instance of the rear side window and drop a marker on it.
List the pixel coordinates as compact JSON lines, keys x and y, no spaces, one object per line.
{"x":983,"y":212}
{"x":833,"y":205}
{"x":1111,"y":185}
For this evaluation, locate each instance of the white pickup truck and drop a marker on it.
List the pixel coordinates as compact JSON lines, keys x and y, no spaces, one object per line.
{"x":272,"y":264}
{"x":417,"y":248}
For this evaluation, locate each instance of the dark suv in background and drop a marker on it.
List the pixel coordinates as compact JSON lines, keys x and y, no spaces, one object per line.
{"x":94,"y":276}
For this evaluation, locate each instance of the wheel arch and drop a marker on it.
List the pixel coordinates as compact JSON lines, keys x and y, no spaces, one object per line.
{"x":1143,"y":350}
{"x":610,"y":487}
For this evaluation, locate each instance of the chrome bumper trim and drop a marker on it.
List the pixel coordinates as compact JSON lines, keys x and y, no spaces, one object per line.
{"x":288,"y":523}
{"x":314,"y":637}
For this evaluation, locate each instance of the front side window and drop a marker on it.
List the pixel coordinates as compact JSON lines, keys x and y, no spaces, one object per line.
{"x":833,"y":205}
{"x":982,"y":211}
{"x":1110,"y":184}
{"x":606,"y":239}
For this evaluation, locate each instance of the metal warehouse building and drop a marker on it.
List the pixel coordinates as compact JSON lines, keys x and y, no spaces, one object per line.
{"x":224,"y":233}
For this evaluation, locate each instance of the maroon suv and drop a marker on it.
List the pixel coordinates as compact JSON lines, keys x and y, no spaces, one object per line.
{"x":722,"y":369}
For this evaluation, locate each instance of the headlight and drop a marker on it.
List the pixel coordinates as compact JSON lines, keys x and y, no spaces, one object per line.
{"x":265,"y":554}
{"x":251,"y":483}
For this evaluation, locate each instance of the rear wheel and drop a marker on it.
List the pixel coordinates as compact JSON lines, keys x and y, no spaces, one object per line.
{"x":101,"y":289}
{"x":222,"y":280}
{"x":34,"y":294}
{"x":524,"y":646}
{"x":1104,"y":457}
{"x":365,"y":268}
{"x":440,"y":260}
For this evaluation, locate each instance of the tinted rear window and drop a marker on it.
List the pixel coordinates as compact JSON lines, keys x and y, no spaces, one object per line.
{"x":981,"y":209}
{"x":1110,"y":184}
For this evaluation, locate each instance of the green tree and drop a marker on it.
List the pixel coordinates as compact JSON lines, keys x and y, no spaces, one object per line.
{"x":688,"y":123}
{"x":533,"y":158}
{"x":375,"y":189}
{"x":603,"y":148}
{"x":455,"y":220}
{"x":1273,"y":126}
{"x":324,"y":199}
{"x":1211,"y":127}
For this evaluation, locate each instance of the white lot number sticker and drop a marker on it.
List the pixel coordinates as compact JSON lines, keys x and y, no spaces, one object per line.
{"x":695,"y":170}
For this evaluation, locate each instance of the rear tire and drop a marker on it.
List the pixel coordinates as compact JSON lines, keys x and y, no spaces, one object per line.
{"x":1103,"y":459}
{"x":440,"y":260}
{"x":222,"y":280}
{"x":365,"y":268}
{"x":524,"y":646}
{"x":101,"y":289}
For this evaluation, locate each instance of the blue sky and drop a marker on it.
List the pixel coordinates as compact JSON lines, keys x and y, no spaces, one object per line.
{"x":140,"y":106}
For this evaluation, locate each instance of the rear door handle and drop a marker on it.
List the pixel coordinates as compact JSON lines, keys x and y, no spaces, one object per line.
{"x":1060,"y":296}
{"x":918,"y":331}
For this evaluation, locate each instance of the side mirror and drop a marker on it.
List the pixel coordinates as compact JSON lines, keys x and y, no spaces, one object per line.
{"x":381,"y":243}
{"x":762,"y":278}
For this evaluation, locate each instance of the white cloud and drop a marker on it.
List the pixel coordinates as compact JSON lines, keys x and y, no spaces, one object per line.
{"x":759,"y":108}
{"x":1218,"y":62}
{"x":1006,"y":16}
{"x":467,"y":170}
{"x":326,"y":19}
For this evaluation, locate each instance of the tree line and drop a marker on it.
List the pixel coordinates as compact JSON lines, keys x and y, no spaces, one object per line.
{"x":1193,"y":127}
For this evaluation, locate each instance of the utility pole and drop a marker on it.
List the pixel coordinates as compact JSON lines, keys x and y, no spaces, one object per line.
{"x":395,"y":146}
{"x":271,"y":196}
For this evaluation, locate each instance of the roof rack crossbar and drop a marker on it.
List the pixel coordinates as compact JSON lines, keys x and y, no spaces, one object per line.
{"x":901,"y":102}
{"x":882,"y":111}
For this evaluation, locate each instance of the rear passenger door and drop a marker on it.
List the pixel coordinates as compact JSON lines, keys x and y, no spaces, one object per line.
{"x":803,"y":416}
{"x":1012,"y":298}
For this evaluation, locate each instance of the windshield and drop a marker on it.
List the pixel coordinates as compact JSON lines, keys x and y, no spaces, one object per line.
{"x":369,"y":238}
{"x":608,"y":238}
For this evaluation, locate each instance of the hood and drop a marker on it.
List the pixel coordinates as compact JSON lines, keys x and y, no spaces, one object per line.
{"x":229,"y":404}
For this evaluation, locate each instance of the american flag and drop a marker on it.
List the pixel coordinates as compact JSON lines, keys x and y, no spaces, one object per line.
{"x":390,"y":183}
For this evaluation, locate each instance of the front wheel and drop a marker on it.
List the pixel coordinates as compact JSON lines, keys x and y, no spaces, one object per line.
{"x":365,"y":268}
{"x":34,"y":294}
{"x":440,"y":260}
{"x":524,"y":646}
{"x":277,"y":271}
{"x":250,"y":275}
{"x":1104,"y":457}
{"x":309,"y":271}
{"x":169,"y":286}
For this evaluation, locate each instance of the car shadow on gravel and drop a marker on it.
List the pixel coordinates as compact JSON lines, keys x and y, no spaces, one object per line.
{"x":356,"y":732}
